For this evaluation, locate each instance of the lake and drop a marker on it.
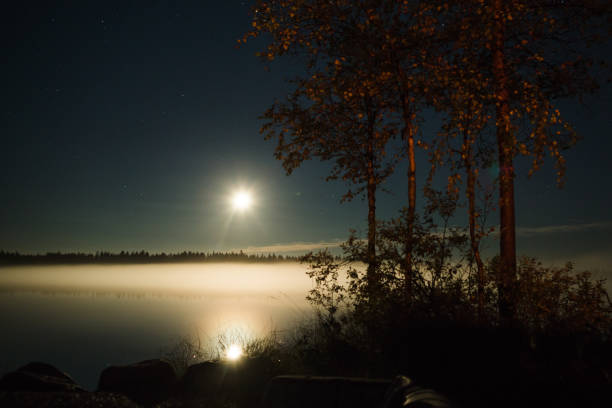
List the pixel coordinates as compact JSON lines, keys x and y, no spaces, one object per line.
{"x":82,"y":318}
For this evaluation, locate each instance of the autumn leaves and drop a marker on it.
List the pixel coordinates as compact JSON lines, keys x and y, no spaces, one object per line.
{"x":372,"y":66}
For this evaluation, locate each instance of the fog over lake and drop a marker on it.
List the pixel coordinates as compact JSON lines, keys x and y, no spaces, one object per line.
{"x":82,"y":318}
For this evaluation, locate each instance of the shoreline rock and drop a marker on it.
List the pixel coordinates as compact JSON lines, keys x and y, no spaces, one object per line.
{"x":250,"y":382}
{"x":25,"y":399}
{"x":146,"y":382}
{"x":39,"y":377}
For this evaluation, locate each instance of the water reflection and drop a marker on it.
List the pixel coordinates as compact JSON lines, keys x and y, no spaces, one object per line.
{"x":82,"y":318}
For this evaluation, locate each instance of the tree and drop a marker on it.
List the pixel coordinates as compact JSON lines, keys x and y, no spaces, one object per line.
{"x":461,"y":144}
{"x":337,"y":116}
{"x":382,"y":42}
{"x":405,"y":52}
{"x":505,"y":65}
{"x":340,"y":109}
{"x":527,"y":54}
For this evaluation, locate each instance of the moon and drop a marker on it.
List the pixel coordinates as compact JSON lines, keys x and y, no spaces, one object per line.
{"x":242,"y":200}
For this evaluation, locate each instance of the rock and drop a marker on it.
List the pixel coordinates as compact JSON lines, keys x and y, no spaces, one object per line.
{"x":64,"y":400}
{"x":38,"y":377}
{"x":203,"y":378}
{"x":240,"y":382}
{"x":248,"y":379}
{"x":296,"y":391}
{"x":146,"y":382}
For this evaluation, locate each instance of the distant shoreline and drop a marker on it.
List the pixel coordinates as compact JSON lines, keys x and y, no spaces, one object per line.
{"x":141,"y":257}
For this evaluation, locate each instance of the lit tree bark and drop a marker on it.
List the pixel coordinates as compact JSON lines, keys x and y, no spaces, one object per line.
{"x":371,"y":195}
{"x":507,"y":272}
{"x":411,"y":206}
{"x":408,"y":133}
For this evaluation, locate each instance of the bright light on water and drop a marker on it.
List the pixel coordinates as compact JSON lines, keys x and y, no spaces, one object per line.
{"x":234,"y":352}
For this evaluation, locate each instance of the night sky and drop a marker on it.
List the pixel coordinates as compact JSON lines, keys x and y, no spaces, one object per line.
{"x":127,"y":127}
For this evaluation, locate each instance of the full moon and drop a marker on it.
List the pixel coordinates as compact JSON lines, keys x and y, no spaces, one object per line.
{"x":241,"y":200}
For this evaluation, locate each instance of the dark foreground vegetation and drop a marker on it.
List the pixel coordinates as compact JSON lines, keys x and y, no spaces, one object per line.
{"x":136,"y":257}
{"x":557,"y":352}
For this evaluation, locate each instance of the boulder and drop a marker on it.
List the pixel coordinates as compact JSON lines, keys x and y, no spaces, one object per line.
{"x":25,"y":399}
{"x":240,"y":382}
{"x":146,"y":382}
{"x":38,"y":377}
{"x":203,"y":378}
{"x":213,"y":377}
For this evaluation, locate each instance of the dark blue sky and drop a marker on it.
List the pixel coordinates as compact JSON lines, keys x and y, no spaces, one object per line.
{"x":127,"y":127}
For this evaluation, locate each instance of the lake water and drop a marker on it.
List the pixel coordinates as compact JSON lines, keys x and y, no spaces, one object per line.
{"x":82,"y":318}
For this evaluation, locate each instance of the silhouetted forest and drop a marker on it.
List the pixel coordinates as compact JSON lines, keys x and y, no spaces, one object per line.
{"x":137,"y":257}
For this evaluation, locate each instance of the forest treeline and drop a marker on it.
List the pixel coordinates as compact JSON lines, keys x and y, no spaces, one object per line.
{"x":137,"y":257}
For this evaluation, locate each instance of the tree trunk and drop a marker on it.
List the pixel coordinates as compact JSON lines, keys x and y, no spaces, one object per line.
{"x":371,"y":196}
{"x":507,"y":272}
{"x":474,"y":239}
{"x":408,"y":133}
{"x":411,"y":200}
